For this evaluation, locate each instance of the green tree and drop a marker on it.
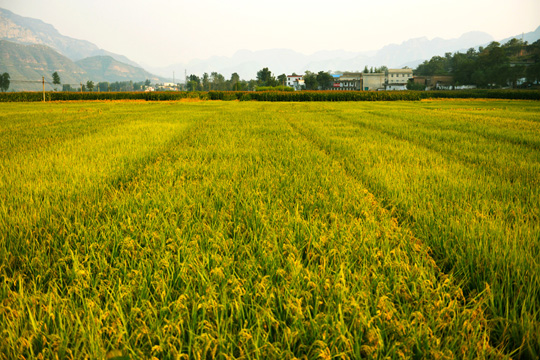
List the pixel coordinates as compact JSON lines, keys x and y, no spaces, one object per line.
{"x":325,"y":80}
{"x":103,"y":86}
{"x":217,"y":81}
{"x":251,"y":85}
{"x":205,"y":82}
{"x":235,"y":82}
{"x":411,"y":85}
{"x":438,"y":65}
{"x":533,"y":71}
{"x":4,"y":82}
{"x":265,"y":78}
{"x":282,"y":80}
{"x":147,"y":82}
{"x":494,"y":62}
{"x":366,"y":70}
{"x":55,"y":79}
{"x":310,"y":80}
{"x":463,"y":66}
{"x":194,"y":83}
{"x":90,"y":85}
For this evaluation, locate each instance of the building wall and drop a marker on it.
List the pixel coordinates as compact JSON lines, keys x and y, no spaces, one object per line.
{"x":373,"y":81}
{"x":395,"y":87}
{"x":435,"y":82}
{"x":399,"y":76}
{"x":348,"y":81}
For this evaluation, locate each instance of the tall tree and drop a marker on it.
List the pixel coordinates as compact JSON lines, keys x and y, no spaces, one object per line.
{"x":235,"y":80}
{"x":325,"y":80}
{"x":90,"y":85}
{"x":4,"y":82}
{"x":310,"y":80}
{"x":103,"y":86}
{"x":55,"y":79}
{"x":217,"y":81}
{"x":282,"y":80}
{"x":265,"y":77}
{"x":194,"y":83}
{"x":206,"y":82}
{"x":494,"y":62}
{"x":533,"y":71}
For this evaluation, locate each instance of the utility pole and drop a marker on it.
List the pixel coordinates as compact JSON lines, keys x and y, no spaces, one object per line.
{"x":43,"y":82}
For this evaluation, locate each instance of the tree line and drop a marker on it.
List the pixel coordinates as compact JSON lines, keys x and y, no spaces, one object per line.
{"x":217,"y":82}
{"x":494,"y":66}
{"x":265,"y":79}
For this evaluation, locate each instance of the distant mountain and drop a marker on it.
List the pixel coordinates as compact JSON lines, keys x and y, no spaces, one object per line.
{"x":529,"y":37}
{"x":106,"y":68}
{"x":90,"y":62}
{"x":409,"y":53}
{"x":420,"y":49}
{"x":246,"y":63}
{"x":27,"y":31}
{"x":26,"y":64}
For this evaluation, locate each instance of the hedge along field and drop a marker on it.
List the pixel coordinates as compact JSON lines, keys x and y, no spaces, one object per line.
{"x":262,"y":230}
{"x":273,"y":95}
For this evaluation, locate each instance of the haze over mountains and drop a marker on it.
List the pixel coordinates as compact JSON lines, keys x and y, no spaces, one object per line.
{"x":409,"y":53}
{"x":31,"y":48}
{"x":30,"y":31}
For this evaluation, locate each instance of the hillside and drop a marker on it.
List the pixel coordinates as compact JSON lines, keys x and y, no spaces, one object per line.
{"x":26,"y":64}
{"x":25,"y":30}
{"x":105,"y":68}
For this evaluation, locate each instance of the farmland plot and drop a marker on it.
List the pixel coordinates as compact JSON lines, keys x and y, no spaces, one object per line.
{"x":262,"y":230}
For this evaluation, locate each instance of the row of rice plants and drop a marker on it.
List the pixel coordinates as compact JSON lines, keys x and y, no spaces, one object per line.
{"x":467,"y":185}
{"x":201,"y":230}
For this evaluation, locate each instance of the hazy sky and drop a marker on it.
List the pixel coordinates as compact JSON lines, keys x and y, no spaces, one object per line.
{"x":162,"y":32}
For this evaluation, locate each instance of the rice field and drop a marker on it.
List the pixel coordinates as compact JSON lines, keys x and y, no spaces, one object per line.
{"x":253,"y":230}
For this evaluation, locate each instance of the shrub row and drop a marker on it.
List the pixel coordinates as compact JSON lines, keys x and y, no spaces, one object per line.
{"x":273,"y":95}
{"x":274,"y":88}
{"x":70,"y":96}
{"x":482,"y":94}
{"x":331,"y":96}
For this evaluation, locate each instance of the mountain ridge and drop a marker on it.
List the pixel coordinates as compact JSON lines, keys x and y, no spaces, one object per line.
{"x":26,"y":65}
{"x":410,"y":53}
{"x":246,"y":63}
{"x":25,"y":30}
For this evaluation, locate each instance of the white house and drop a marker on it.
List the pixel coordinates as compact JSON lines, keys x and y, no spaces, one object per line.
{"x":295,"y":81}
